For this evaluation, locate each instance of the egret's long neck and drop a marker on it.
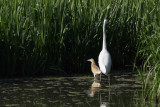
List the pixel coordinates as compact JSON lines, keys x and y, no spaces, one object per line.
{"x":104,"y":37}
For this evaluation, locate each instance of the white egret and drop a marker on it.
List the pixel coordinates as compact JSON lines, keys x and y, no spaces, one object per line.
{"x":104,"y":58}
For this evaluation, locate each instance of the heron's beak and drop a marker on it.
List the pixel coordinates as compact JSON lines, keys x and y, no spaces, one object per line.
{"x":88,"y":60}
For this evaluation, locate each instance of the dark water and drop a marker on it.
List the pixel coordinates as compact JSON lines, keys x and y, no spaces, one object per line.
{"x":121,"y":91}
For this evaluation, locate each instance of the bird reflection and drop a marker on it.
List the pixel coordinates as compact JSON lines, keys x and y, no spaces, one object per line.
{"x":106,"y":103}
{"x":95,"y":87}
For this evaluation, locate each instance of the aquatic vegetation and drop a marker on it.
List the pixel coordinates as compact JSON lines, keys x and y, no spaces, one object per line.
{"x":149,"y":52}
{"x":39,"y":37}
{"x":150,"y":70}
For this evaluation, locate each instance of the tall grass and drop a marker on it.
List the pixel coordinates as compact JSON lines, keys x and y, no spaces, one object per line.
{"x":38,"y":36}
{"x":149,"y":51}
{"x":43,"y":36}
{"x":149,"y":72}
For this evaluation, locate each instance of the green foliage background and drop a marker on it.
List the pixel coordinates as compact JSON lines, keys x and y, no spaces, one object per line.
{"x":41,"y":36}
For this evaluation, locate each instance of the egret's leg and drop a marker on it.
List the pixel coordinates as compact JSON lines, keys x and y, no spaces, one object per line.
{"x":109,"y":79}
{"x":94,"y":76}
{"x":100,"y":76}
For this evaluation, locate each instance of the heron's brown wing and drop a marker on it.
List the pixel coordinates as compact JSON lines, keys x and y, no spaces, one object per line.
{"x":95,"y":68}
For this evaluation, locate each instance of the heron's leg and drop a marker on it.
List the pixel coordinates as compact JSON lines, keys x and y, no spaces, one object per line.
{"x":94,"y":76}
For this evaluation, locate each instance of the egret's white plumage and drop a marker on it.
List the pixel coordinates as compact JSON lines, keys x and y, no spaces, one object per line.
{"x":104,"y":58}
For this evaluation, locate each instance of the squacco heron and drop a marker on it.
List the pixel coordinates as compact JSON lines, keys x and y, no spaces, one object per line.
{"x":95,"y":69}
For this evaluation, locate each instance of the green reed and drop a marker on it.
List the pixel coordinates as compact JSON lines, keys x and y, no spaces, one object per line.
{"x":148,"y":51}
{"x":39,"y":36}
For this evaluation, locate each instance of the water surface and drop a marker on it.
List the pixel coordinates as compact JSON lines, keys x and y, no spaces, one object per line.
{"x":120,"y":90}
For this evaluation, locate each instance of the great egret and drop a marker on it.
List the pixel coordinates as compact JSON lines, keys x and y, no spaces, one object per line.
{"x":95,"y":69}
{"x":104,"y":58}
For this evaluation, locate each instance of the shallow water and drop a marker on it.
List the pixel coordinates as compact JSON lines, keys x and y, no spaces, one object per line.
{"x":120,"y":90}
